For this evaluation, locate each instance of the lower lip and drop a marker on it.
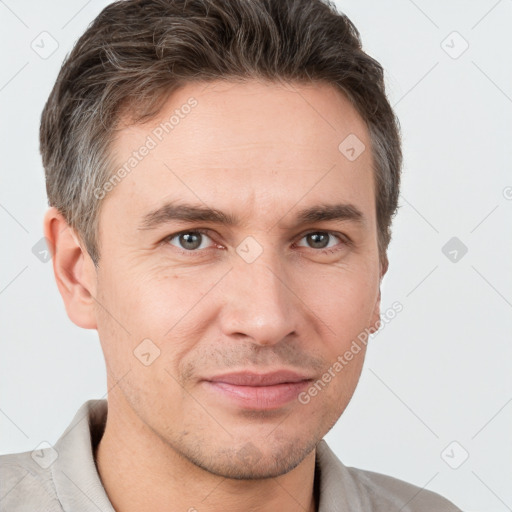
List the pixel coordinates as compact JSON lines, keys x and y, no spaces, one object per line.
{"x":258,"y":397}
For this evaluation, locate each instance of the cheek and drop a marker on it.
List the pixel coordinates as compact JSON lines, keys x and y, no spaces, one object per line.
{"x":329,"y":395}
{"x":144,"y":334}
{"x":162,"y":306}
{"x":145,"y":298}
{"x":132,"y":308}
{"x":345,"y":301}
{"x":168,"y":300}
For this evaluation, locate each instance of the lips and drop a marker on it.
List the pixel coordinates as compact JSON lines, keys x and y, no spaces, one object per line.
{"x":256,"y":391}
{"x":260,"y":379}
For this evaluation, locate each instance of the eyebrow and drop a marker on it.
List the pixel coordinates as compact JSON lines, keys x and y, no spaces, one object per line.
{"x":172,"y":211}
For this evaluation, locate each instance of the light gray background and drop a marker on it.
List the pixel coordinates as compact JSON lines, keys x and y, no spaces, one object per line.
{"x":440,"y":371}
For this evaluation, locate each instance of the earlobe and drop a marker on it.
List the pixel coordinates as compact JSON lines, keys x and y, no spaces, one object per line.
{"x":74,"y":270}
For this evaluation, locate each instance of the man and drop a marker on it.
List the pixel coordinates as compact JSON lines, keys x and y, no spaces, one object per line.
{"x":222,"y":177}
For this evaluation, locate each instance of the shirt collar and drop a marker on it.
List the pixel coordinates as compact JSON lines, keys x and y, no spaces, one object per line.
{"x":76,"y":477}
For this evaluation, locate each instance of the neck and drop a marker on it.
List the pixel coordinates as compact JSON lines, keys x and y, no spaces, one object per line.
{"x":141,"y":472}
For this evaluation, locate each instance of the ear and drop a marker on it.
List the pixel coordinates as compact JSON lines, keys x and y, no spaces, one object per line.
{"x":74,"y":270}
{"x":375,"y":322}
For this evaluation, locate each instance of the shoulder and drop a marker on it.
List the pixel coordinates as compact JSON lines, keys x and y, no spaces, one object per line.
{"x":343,"y":487}
{"x":26,"y":482}
{"x":388,"y":493}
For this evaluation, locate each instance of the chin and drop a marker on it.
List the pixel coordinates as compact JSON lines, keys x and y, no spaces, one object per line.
{"x":252,"y":460}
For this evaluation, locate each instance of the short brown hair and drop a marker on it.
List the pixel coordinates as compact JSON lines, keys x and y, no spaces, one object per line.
{"x":136,"y":52}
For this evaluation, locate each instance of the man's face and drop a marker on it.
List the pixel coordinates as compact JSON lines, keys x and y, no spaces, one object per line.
{"x":267,"y":291}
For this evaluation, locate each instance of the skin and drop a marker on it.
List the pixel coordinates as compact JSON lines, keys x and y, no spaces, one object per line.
{"x":259,"y":151}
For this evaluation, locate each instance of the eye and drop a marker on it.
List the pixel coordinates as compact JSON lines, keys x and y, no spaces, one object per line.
{"x":196,"y":241}
{"x":188,"y":241}
{"x":324,"y":240}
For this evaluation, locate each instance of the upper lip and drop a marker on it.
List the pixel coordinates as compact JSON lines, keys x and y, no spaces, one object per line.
{"x":259,"y":379}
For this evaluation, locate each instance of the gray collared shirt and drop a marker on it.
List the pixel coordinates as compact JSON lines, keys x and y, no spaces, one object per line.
{"x":64,"y":478}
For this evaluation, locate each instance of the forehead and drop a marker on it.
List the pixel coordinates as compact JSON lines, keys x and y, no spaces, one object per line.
{"x":245,"y":145}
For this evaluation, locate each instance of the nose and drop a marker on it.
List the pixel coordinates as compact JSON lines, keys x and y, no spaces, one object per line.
{"x":259,"y":304}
